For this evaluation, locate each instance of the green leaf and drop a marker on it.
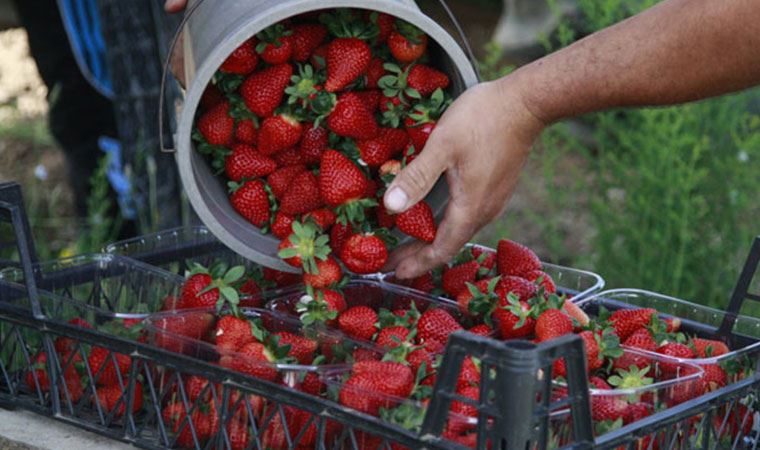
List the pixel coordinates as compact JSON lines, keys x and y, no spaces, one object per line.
{"x":230,"y":294}
{"x":234,"y":274}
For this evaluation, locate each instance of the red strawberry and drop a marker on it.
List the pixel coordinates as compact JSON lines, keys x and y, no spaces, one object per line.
{"x":313,"y":143}
{"x":636,"y":412}
{"x":192,"y":325}
{"x":302,"y":247}
{"x":641,"y":339}
{"x":279,"y":181}
{"x":275,"y":44}
{"x":38,"y":373}
{"x":203,"y":421}
{"x":485,"y":257}
{"x":328,"y":273}
{"x":594,"y":361}
{"x":552,"y":324}
{"x":425,"y":80}
{"x":482,"y":292}
{"x":358,"y":322}
{"x":455,"y":278}
{"x":246,"y":162}
{"x":375,"y":71}
{"x":392,"y":337}
{"x":251,"y":201}
{"x":216,"y":126}
{"x":734,"y":422}
{"x":193,"y":295}
{"x":384,"y":218}
{"x":281,"y":226}
{"x":418,"y":222}
{"x":323,"y":218}
{"x":302,"y":196}
{"x":418,"y":133}
{"x":516,"y":259}
{"x":278,"y":133}
{"x":377,"y":151}
{"x":463,"y":410}
{"x":242,"y":60}
{"x":373,"y":385}
{"x":574,"y":311}
{"x":371,"y":99}
{"x":424,"y":283}
{"x":715,"y":377}
{"x":469,"y":375}
{"x":520,"y":287}
{"x":237,"y":430}
{"x":211,"y":97}
{"x":306,"y":38}
{"x":196,"y":386}
{"x":365,"y":354}
{"x":319,"y":57}
{"x":63,"y":344}
{"x":351,"y":118}
{"x":246,"y":131}
{"x":364,"y":253}
{"x":280,"y":278}
{"x":419,"y":357}
{"x":263,"y":90}
{"x":708,"y":348}
{"x":407,"y":44}
{"x":301,"y":348}
{"x":252,"y":359}
{"x":347,"y":59}
{"x":311,"y":384}
{"x":111,"y":396}
{"x":481,"y":330}
{"x":232,"y":333}
{"x":627,"y":321}
{"x":546,"y":280}
{"x":507,"y":320}
{"x":434,"y":327}
{"x":605,"y":407}
{"x":104,"y":365}
{"x":340,"y":181}
{"x":289,"y":157}
{"x":339,"y":234}
{"x":675,"y":350}
{"x":385,"y":24}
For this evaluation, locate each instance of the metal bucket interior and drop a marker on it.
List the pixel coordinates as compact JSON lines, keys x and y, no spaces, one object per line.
{"x":218,"y":27}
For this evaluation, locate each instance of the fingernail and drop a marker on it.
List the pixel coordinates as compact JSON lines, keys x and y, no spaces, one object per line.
{"x":171,"y":4}
{"x":395,"y":199}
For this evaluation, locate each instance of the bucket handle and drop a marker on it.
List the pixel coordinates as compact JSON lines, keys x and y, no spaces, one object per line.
{"x":170,"y":57}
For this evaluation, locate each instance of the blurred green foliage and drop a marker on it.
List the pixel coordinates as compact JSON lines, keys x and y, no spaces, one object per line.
{"x":674,"y":190}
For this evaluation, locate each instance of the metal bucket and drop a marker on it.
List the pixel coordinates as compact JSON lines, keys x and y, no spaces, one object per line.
{"x":211,"y":32}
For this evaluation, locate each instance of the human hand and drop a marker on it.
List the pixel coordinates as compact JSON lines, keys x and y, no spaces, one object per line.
{"x":481,"y":142}
{"x":174,"y":6}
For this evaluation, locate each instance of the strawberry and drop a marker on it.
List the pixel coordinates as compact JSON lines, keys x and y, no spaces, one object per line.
{"x":384,"y":218}
{"x":246,"y":131}
{"x":371,"y":99}
{"x":323,"y":218}
{"x":216,"y":126}
{"x":574,"y":311}
{"x":377,"y":151}
{"x":715,"y":377}
{"x":211,"y":97}
{"x":364,"y":253}
{"x":275,"y":44}
{"x":375,"y":71}
{"x":424,"y":283}
{"x":313,"y":143}
{"x":202,"y":288}
{"x":311,"y":384}
{"x":358,"y":322}
{"x":374,"y":385}
{"x":242,"y":60}
{"x":641,"y":339}
{"x":347,"y":59}
{"x":515,"y":259}
{"x":340,"y":181}
{"x":392,"y":337}
{"x":734,"y":422}
{"x":455,"y":278}
{"x":422,"y":120}
{"x":280,"y":278}
{"x":74,"y":388}
{"x":469,"y":375}
{"x":305,"y":39}
{"x":478,"y":298}
{"x":281,"y":225}
{"x":203,"y":423}
{"x":520,"y":287}
{"x":63,"y":344}
{"x":636,"y":412}
{"x":708,"y":348}
{"x":407,"y":43}
{"x":434,"y":327}
{"x":605,"y":407}
{"x":301,"y":348}
{"x":545,"y":280}
{"x":237,"y":430}
{"x":674,"y":350}
{"x":232,"y":333}
{"x":590,"y":344}
{"x":278,"y":133}
{"x":418,"y":222}
{"x":279,"y":181}
{"x":104,"y":366}
{"x":112,"y":397}
{"x":262,"y":91}
{"x":351,"y":118}
{"x":289,"y":157}
{"x":191,"y":325}
{"x":253,"y":359}
{"x":38,"y":374}
{"x":485,"y":257}
{"x":684,"y":390}
{"x":302,"y":196}
{"x":385,"y":24}
{"x":251,"y":201}
{"x":464,"y":410}
{"x":246,"y":162}
{"x":552,"y":324}
{"x":425,"y":80}
{"x":197,"y":386}
{"x":339,"y":234}
{"x":327,"y":273}
{"x":627,"y":321}
{"x":481,"y":330}
{"x":323,"y":306}
{"x":513,"y":319}
{"x":303,"y":247}
{"x":418,"y":357}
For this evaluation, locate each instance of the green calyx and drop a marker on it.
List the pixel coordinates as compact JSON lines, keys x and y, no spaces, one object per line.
{"x":354,"y":211}
{"x":313,"y":309}
{"x":483,"y":304}
{"x":395,"y":83}
{"x":431,"y":108}
{"x":216,"y":153}
{"x":307,"y":245}
{"x":226,"y":282}
{"x":345,"y":23}
{"x":631,"y":378}
{"x":410,"y":32}
{"x":271,"y":36}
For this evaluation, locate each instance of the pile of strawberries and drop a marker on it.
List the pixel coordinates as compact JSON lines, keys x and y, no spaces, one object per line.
{"x":310,"y":120}
{"x":105,"y":372}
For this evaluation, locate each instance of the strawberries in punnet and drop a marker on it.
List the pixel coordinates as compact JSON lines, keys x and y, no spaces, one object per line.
{"x":326,"y":273}
{"x":708,"y":348}
{"x":358,"y":322}
{"x":232,"y":333}
{"x":551,"y":324}
{"x":515,"y":259}
{"x":627,"y":321}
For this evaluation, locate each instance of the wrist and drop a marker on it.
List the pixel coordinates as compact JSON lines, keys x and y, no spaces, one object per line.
{"x":518,"y":107}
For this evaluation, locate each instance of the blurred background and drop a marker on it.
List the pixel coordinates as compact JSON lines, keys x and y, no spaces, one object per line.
{"x":663,"y":199}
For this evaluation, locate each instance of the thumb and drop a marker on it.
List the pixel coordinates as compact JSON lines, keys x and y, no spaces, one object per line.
{"x":414,"y":182}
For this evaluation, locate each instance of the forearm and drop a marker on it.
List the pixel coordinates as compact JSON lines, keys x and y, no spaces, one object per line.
{"x":677,"y":51}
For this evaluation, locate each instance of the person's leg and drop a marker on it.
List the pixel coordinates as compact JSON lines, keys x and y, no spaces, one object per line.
{"x":78,"y":115}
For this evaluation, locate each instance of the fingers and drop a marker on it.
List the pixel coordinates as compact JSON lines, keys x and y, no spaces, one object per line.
{"x":174,"y":6}
{"x":417,"y":179}
{"x":401,"y":253}
{"x":453,"y":233}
